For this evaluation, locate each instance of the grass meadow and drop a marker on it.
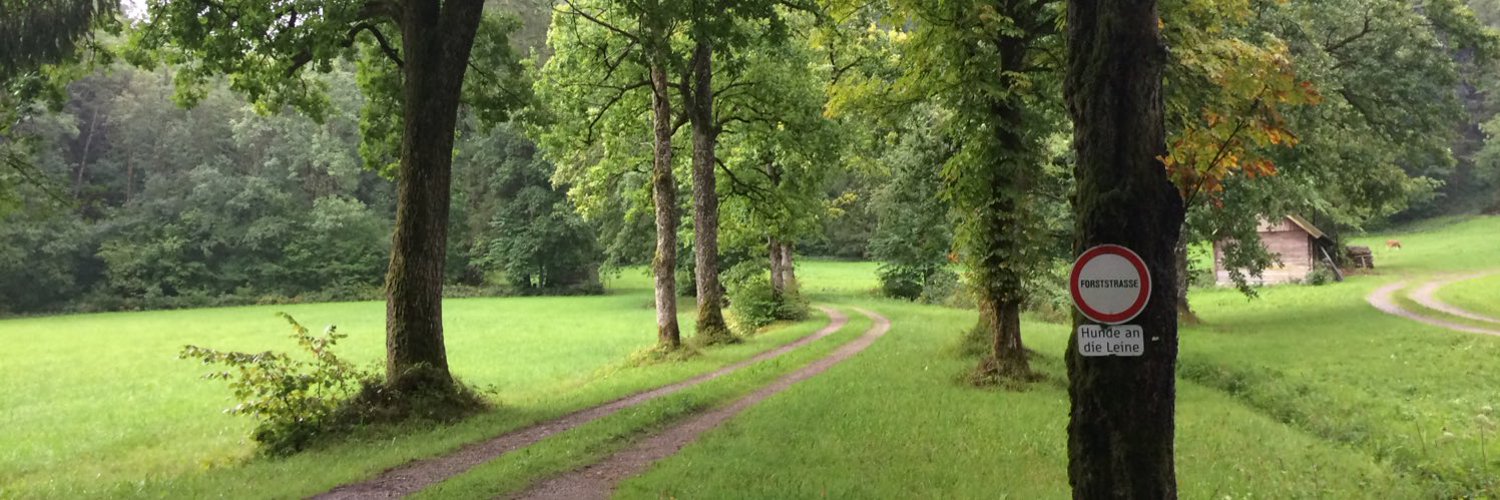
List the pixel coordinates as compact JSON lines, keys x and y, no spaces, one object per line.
{"x":1302,"y":392}
{"x":99,"y":405}
{"x":1480,"y":295}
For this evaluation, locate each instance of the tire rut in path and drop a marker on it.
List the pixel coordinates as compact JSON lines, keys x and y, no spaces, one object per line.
{"x":598,"y":481}
{"x":1382,"y":298}
{"x":414,"y":476}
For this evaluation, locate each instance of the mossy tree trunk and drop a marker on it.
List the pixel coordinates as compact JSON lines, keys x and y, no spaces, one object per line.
{"x":664,"y":194}
{"x":436,"y":41}
{"x":1121,"y":430}
{"x":711,"y":327}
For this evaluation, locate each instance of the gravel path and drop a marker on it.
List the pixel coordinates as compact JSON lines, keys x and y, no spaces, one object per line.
{"x":413,"y":476}
{"x":1426,"y":295}
{"x":598,"y":481}
{"x":1382,"y":298}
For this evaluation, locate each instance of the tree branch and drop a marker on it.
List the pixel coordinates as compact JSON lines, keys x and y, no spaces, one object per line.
{"x":574,"y":10}
{"x":385,"y":45}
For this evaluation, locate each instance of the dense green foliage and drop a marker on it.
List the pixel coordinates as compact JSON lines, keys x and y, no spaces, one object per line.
{"x":159,"y":206}
{"x":512,"y":223}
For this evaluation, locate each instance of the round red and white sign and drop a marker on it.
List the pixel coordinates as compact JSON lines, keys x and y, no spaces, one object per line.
{"x":1110,"y":284}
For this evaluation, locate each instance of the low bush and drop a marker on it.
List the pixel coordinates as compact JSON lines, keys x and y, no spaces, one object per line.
{"x":902,"y":281}
{"x":754,"y":303}
{"x":302,"y":399}
{"x":294,"y":400}
{"x":1320,"y":276}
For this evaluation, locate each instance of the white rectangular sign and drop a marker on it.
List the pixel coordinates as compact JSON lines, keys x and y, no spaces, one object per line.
{"x":1116,"y":340}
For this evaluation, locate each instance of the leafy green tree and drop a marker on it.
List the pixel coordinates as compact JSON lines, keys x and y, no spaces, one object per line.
{"x":46,"y":32}
{"x":522,"y":226}
{"x":610,"y":65}
{"x":915,"y":236}
{"x":777,"y":151}
{"x":429,"y":48}
{"x":988,"y":63}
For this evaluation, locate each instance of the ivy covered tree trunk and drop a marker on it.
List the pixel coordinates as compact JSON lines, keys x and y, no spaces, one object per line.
{"x":998,"y":243}
{"x":436,"y":41}
{"x":711,"y":327}
{"x":1001,"y":321}
{"x":1121,"y":430}
{"x":664,"y":194}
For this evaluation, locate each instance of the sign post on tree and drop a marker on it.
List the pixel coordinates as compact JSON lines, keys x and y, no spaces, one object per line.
{"x":1110,"y":284}
{"x":1121,"y":425}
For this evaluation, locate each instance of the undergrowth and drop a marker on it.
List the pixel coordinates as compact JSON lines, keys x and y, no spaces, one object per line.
{"x":300,"y":400}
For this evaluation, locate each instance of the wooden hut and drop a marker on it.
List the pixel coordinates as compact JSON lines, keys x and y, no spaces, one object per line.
{"x":1298,"y":244}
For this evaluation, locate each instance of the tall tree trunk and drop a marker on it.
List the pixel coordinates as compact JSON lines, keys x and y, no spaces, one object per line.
{"x":778,"y":278}
{"x":1122,"y":419}
{"x":1001,"y":319}
{"x":664,"y":194}
{"x":788,"y":267}
{"x":1184,"y":277}
{"x":436,"y":40}
{"x":83,"y":159}
{"x":711,"y":326}
{"x":779,"y":250}
{"x":999,"y":243}
{"x":129,"y":178}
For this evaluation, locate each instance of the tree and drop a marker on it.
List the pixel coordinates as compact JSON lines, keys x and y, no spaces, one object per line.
{"x":518,"y":224}
{"x":686,"y":61}
{"x":915,"y":238}
{"x":39,"y":33}
{"x":721,"y":35}
{"x":45,"y":41}
{"x":1229,"y":89}
{"x":987,"y":63}
{"x":608,"y":78}
{"x":1121,"y":427}
{"x":428,"y":48}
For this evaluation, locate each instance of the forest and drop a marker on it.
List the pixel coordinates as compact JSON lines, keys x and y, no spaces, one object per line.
{"x":164,"y":155}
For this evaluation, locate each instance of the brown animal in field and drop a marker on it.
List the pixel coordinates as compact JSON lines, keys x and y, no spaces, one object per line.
{"x":1396,"y":244}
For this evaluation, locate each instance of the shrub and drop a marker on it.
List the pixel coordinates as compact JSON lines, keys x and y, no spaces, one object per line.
{"x":754,"y":304}
{"x":900,"y":281}
{"x":295,"y":400}
{"x":1320,"y":276}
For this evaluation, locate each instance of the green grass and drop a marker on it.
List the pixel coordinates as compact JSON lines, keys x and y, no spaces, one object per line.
{"x":1447,"y":244}
{"x":821,"y":278}
{"x":105,"y":408}
{"x":1480,"y":296}
{"x":1303,"y":392}
{"x":1306,"y":392}
{"x":892,"y":423}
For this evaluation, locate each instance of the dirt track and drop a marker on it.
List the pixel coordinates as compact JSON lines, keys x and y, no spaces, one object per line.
{"x":1383,"y":299}
{"x":413,"y":476}
{"x":1426,"y":295}
{"x":598,"y":481}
